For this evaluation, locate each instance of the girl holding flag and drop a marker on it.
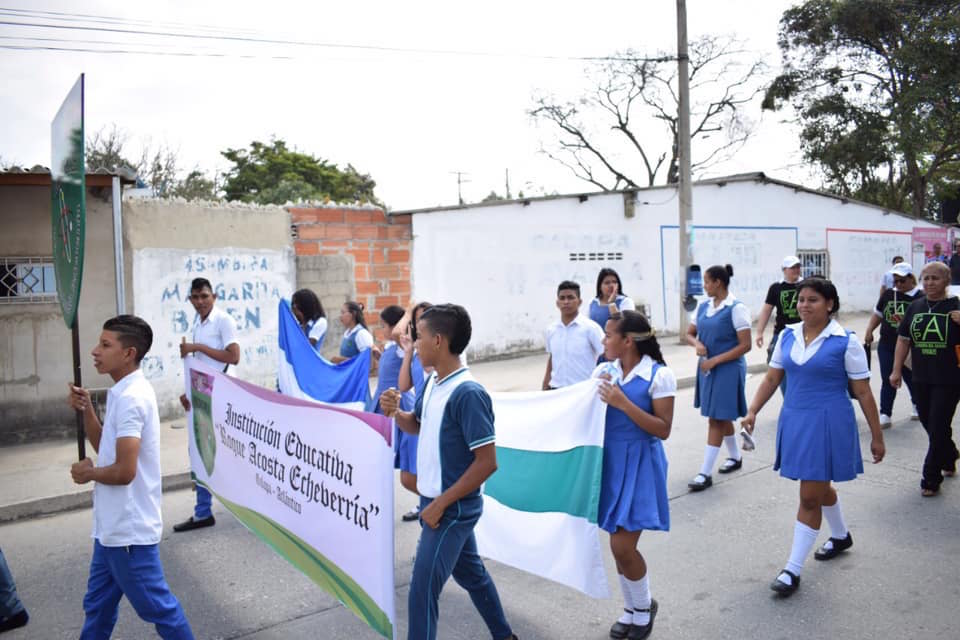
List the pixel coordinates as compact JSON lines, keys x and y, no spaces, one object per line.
{"x":308,"y":311}
{"x":639,"y":390}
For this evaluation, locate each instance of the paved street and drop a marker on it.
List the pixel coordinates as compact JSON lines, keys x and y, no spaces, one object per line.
{"x":710,"y":572}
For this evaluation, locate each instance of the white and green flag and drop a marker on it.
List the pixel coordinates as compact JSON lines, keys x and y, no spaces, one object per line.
{"x":540,"y":507}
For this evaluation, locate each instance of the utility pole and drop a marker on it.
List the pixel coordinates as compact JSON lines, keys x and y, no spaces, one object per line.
{"x":460,"y":182}
{"x":683,"y":145}
{"x":507,"y":172}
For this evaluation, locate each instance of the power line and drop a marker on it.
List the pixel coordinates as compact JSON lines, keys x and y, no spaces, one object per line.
{"x":198,"y":54}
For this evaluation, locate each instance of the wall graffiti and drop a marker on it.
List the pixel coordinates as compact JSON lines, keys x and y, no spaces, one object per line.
{"x":248,"y":285}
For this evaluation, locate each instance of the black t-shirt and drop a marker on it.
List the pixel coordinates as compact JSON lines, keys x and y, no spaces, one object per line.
{"x":954,"y":264}
{"x":783,"y":297}
{"x":892,"y":306}
{"x":935,"y":340}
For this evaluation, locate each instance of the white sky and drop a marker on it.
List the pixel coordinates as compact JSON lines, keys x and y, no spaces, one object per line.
{"x":408,"y":119}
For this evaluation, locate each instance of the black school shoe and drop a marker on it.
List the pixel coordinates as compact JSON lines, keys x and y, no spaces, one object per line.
{"x":782,"y":589}
{"x":192,"y":523}
{"x":699,"y":485}
{"x":620,"y":630}
{"x":641,"y":631}
{"x":15,"y":621}
{"x":730,"y":465}
{"x":839,"y":546}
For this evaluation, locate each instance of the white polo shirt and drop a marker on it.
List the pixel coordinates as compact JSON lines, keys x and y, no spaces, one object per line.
{"x":574,"y":349}
{"x":316,"y":330}
{"x":218,"y":331}
{"x":854,"y":359}
{"x":130,"y":514}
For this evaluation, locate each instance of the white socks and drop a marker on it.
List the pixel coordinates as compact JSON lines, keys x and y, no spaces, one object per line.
{"x":803,"y":540}
{"x":709,"y":459}
{"x":732,"y":450}
{"x":834,"y":517}
{"x":636,"y":595}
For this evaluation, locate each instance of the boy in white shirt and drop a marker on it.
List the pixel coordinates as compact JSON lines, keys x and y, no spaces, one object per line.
{"x":574,"y":343}
{"x":214,"y":342}
{"x":126,"y":496}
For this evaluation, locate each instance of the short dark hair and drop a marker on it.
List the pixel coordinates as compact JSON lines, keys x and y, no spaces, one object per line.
{"x":392,"y":314}
{"x":423,"y":306}
{"x":897,"y":259}
{"x":723,"y":274}
{"x":823,"y":287}
{"x":451,"y":321}
{"x":308,"y":303}
{"x":199,"y":284}
{"x":131,"y":332}
{"x":609,"y":272}
{"x":568,"y":285}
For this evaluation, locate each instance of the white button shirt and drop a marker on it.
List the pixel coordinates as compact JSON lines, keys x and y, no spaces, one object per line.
{"x":218,"y":331}
{"x":574,"y":349}
{"x":130,"y":514}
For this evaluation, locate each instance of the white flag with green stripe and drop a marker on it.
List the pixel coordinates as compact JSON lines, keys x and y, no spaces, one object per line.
{"x":540,"y":507}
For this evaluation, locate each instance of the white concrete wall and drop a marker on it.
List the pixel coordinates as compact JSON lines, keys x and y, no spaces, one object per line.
{"x":503,"y":262}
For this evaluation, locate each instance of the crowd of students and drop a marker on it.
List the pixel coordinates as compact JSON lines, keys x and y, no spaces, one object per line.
{"x":445,"y":446}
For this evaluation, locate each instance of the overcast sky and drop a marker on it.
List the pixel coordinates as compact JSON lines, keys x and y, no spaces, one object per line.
{"x":409,"y":113}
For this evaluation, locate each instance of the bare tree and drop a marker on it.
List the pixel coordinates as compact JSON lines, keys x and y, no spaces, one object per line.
{"x":604,"y":133}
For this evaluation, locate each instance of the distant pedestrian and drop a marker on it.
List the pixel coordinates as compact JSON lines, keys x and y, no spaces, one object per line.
{"x":127,"y":523}
{"x":357,"y":338}
{"x":817,"y":438}
{"x":720,"y":332}
{"x":890,"y":310}
{"x":308,"y":310}
{"x":214,"y":342}
{"x":609,"y":291}
{"x":13,"y":614}
{"x":937,"y":255}
{"x":456,"y":453}
{"x":929,"y":333}
{"x":954,"y":265}
{"x":573,"y":343}
{"x":887,"y":282}
{"x":781,"y":297}
{"x":639,"y":391}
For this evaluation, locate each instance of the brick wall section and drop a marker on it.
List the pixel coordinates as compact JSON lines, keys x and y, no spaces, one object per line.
{"x":378,"y":245}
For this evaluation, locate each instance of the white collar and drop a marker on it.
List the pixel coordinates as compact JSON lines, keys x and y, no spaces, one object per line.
{"x":727,"y":302}
{"x":643,"y":369}
{"x":120,"y":385}
{"x":580,"y":319}
{"x":912,"y":292}
{"x":833,"y":328}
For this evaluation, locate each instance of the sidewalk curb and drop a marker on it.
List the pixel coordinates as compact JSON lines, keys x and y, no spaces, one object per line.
{"x":72,"y":501}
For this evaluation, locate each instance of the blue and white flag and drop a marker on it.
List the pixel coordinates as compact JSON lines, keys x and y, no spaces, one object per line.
{"x":303,"y":373}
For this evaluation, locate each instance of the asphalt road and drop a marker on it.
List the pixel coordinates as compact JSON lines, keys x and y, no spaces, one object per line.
{"x":710,"y":572}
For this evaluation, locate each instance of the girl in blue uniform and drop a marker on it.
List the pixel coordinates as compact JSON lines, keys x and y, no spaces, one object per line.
{"x":609,"y":291}
{"x":639,"y":390}
{"x":308,"y":310}
{"x":817,"y":438}
{"x":356,"y":337}
{"x":456,"y":453}
{"x":720,"y":332}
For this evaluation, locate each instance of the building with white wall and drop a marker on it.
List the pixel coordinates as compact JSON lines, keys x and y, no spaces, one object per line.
{"x":503,"y":260}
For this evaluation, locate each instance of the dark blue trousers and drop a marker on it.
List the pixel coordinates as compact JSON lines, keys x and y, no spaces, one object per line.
{"x":451,"y":549}
{"x":204,"y":508}
{"x":134,"y":572}
{"x":10,"y":604}
{"x":887,"y":393}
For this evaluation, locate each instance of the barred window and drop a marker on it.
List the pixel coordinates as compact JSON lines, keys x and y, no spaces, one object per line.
{"x":814,"y":262}
{"x":27,"y":280}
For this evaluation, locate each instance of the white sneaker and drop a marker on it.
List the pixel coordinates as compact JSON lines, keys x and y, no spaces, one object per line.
{"x":913,"y":413}
{"x":884,"y":421}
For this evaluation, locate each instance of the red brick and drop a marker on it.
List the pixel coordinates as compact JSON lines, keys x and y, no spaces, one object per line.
{"x":398,"y":255}
{"x":403,"y":271}
{"x":405,"y":219}
{"x":384,"y":245}
{"x":312,"y":231}
{"x":383,"y":232}
{"x":299,"y":216}
{"x":339,"y":232}
{"x":399,"y":287}
{"x":306,"y":248}
{"x":400,"y":233}
{"x":368,"y":287}
{"x":360,"y":255}
{"x":372,"y":318}
{"x":383,"y":271}
{"x":382,"y":302}
{"x":357,"y":216}
{"x":363,"y":232}
{"x":378,"y":215}
{"x":378,"y":256}
{"x":329,"y":215}
{"x":360,"y":272}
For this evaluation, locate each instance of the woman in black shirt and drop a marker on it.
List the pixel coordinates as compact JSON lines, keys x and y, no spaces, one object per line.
{"x":930,"y":332}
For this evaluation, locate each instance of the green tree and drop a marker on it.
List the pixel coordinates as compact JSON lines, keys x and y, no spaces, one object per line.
{"x":876,"y":86}
{"x":273,"y":174}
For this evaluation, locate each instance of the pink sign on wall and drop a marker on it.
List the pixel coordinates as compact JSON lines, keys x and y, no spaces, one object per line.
{"x":931,"y":242}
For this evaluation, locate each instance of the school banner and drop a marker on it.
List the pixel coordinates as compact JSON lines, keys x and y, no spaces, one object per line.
{"x":304,"y":373}
{"x":540,"y":507}
{"x":314,"y":482}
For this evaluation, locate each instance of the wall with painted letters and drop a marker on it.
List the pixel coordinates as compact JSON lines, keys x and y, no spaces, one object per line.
{"x":244,"y":251}
{"x":503,"y":261}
